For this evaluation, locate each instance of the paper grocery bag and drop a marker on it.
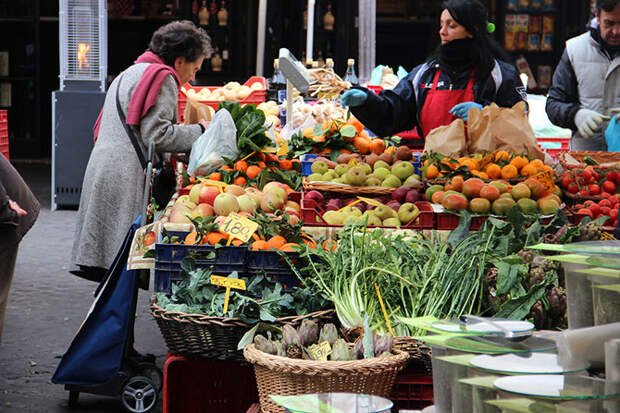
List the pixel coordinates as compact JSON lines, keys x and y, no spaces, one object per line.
{"x":447,"y":140}
{"x":508,"y":129}
{"x":195,"y":111}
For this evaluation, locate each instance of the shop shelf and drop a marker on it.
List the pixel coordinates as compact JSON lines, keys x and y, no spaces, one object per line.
{"x":203,"y":386}
{"x":256,"y":97}
{"x":413,"y":388}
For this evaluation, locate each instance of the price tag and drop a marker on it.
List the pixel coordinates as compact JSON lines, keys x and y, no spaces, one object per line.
{"x":320,"y":351}
{"x":211,"y":182}
{"x":283,"y":150}
{"x":352,"y":163}
{"x":547,"y":178}
{"x":238,"y":226}
{"x":370,"y":201}
{"x":351,"y":204}
{"x":229,"y":283}
{"x":268,"y":150}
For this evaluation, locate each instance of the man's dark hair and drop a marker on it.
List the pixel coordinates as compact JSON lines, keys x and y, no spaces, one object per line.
{"x":606,"y":5}
{"x":180,"y":39}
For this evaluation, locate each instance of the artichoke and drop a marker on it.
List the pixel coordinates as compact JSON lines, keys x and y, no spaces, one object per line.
{"x":495,"y":301}
{"x":383,"y":344}
{"x":264,"y":345}
{"x":550,"y":239}
{"x":590,"y":232}
{"x":539,"y":315}
{"x":358,"y":349}
{"x":536,"y":276}
{"x":340,"y":351}
{"x":329,"y":333}
{"x":308,"y":332}
{"x":491,"y":277}
{"x":279,"y":346}
{"x":526,"y":256}
{"x":290,"y":337}
{"x":557,"y":302}
{"x":294,"y":351}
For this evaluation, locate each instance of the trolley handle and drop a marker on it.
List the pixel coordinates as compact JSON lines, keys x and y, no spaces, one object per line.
{"x":148,"y":178}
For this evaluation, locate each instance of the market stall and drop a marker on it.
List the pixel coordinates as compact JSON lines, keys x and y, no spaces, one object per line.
{"x":309,"y":258}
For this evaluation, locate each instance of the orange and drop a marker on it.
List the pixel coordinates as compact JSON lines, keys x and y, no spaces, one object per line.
{"x":330,"y":245}
{"x":353,"y":121}
{"x":253,"y":171}
{"x":502,"y":156}
{"x":286,"y":164}
{"x":289,"y":247}
{"x":362,"y":145}
{"x":310,"y":243}
{"x":241,"y":181}
{"x":226,"y":168}
{"x":377,"y":146}
{"x":241,"y":165}
{"x":538,"y":164}
{"x":262,"y":165}
{"x":494,"y":171}
{"x":237,"y":242}
{"x":529,"y":170}
{"x":276,"y":242}
{"x":215,"y":176}
{"x":509,"y":171}
{"x":319,"y":138}
{"x":481,"y":175}
{"x":547,"y":168}
{"x":391,"y":149}
{"x":215,"y":237}
{"x":191,"y":238}
{"x":519,"y":162}
{"x":329,"y":126}
{"x":259,"y":245}
{"x":432,"y":172}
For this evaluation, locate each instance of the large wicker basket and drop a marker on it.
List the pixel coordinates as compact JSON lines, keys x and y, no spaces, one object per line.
{"x":285,"y":377}
{"x":346,"y":189}
{"x":575,"y":160}
{"x":198,"y":335}
{"x":419,"y":352}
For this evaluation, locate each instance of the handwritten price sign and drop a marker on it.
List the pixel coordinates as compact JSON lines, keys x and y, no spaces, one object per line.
{"x":229,"y":283}
{"x":238,"y":226}
{"x":320,"y":351}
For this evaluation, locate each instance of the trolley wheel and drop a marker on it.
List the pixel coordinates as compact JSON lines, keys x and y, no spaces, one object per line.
{"x":152,"y":372}
{"x":74,"y":397}
{"x":139,"y":395}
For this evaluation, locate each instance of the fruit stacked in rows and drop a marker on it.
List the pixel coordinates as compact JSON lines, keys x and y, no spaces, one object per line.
{"x":605,"y":207}
{"x":496,"y":197}
{"x":499,"y":165}
{"x":390,"y":169}
{"x":589,"y":182}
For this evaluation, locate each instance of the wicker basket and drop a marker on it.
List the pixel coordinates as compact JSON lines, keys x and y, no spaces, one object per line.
{"x":198,"y":335}
{"x":346,"y":189}
{"x":419,"y":352}
{"x":606,"y":160}
{"x":286,"y":377}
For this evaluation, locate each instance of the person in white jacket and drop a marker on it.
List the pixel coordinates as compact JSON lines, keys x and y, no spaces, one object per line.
{"x":586,"y":83}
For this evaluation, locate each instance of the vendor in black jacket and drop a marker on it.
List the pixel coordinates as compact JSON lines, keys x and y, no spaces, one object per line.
{"x":468,"y":70}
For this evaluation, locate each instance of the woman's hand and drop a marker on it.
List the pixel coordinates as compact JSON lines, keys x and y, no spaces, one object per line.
{"x":462,"y":109}
{"x":15,"y":207}
{"x":354,"y":97}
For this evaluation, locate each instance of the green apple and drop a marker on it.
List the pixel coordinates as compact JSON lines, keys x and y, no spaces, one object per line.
{"x":383,"y":212}
{"x":330,"y":175}
{"x":365,"y":167}
{"x":341,"y":169}
{"x":391,"y":181}
{"x":407,"y":212}
{"x":381,"y":164}
{"x":391,"y":222}
{"x":315,"y":177}
{"x":403,"y":170}
{"x":333,"y":217}
{"x":356,"y":176}
{"x":372,"y":181}
{"x":381,"y":173}
{"x":319,"y":167}
{"x":351,"y":210}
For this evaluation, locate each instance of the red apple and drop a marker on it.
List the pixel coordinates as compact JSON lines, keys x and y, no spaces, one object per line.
{"x":207,"y":194}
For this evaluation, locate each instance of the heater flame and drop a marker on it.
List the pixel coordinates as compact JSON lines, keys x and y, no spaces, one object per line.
{"x":83,"y":50}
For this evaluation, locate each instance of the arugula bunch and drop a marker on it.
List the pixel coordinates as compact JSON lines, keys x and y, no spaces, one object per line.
{"x":250,"y":127}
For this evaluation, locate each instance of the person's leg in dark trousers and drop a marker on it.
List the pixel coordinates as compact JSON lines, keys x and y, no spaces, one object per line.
{"x":7,"y":267}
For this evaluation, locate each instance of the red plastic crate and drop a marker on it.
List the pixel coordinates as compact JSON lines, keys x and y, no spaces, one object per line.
{"x":312,"y":214}
{"x":4,"y":134}
{"x":204,"y":386}
{"x":413,"y":389}
{"x":554,"y":146}
{"x":256,"y":97}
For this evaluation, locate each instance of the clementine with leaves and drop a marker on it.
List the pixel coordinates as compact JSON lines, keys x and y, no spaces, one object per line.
{"x":509,"y":172}
{"x":493,"y":170}
{"x":253,"y":171}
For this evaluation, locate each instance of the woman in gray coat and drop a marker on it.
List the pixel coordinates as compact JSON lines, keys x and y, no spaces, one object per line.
{"x":113,"y":183}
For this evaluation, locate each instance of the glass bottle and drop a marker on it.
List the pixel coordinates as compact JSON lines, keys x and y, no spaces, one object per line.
{"x":277,"y":84}
{"x":203,"y":14}
{"x":306,"y":18}
{"x":222,"y":15}
{"x":350,"y":75}
{"x":213,"y":8}
{"x":328,"y":18}
{"x":216,"y":61}
{"x":329,"y":64}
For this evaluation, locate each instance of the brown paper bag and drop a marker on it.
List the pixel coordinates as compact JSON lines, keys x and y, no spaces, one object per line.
{"x":507,"y":129}
{"x":195,"y":111}
{"x":447,"y":140}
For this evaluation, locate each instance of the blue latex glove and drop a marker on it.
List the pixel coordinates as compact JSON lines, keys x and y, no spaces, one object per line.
{"x":612,"y":135}
{"x":462,"y":109}
{"x":354,"y":97}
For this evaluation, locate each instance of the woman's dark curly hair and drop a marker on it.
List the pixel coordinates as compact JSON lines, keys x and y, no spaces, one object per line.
{"x":180,"y":39}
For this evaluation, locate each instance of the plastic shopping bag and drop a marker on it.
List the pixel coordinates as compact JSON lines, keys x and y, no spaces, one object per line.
{"x":218,"y":141}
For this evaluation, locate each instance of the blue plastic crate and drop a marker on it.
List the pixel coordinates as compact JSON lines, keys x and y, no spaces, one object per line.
{"x":306,"y":163}
{"x":275,"y":266}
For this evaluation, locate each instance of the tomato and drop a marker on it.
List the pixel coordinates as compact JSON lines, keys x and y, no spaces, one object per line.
{"x":573,"y":188}
{"x":585,"y":211}
{"x":584,"y":193}
{"x":566,"y":181}
{"x":604,"y":203}
{"x":609,"y":186}
{"x":578,"y":206}
{"x":613,"y":214}
{"x":605,"y":211}
{"x":611,"y":176}
{"x":594,"y":189}
{"x":595,"y":209}
{"x":605,"y":194}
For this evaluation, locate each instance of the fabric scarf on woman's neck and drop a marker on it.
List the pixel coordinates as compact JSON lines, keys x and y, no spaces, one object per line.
{"x":147,"y":90}
{"x":457,"y":56}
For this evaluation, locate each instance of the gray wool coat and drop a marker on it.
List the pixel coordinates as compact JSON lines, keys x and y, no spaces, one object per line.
{"x":113,"y":183}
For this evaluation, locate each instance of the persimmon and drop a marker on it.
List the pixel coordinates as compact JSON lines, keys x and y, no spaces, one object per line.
{"x":253,"y":171}
{"x":259,"y":245}
{"x":362,"y":145}
{"x":493,"y":170}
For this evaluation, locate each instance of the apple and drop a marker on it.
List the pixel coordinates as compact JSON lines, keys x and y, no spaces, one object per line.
{"x":394,"y":204}
{"x":400,"y":193}
{"x":316,"y":196}
{"x":412,"y":196}
{"x":383,"y":212}
{"x":403,"y":170}
{"x":391,"y":181}
{"x":351,"y":210}
{"x":246,"y":204}
{"x":407,"y":212}
{"x":207,"y":194}
{"x":271,"y":202}
{"x":333,"y":217}
{"x":185,"y":201}
{"x":293,"y":205}
{"x":276,"y":188}
{"x":341,"y":169}
{"x":194,"y":193}
{"x":381,"y":173}
{"x":356,"y":176}
{"x":391,"y":222}
{"x":256,"y":197}
{"x":225,"y":203}
{"x":202,"y":210}
{"x":365,"y":167}
{"x":319,"y":167}
{"x":414,"y":182}
{"x":373,"y":220}
{"x":293,"y":219}
{"x":236,"y":190}
{"x":180,"y":216}
{"x":334,"y":204}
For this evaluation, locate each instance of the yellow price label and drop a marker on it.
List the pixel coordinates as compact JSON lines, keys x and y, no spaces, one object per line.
{"x":228,"y":283}
{"x":352,"y":163}
{"x":349,"y":205}
{"x":547,"y":178}
{"x":268,"y":150}
{"x":238,"y":226}
{"x":283,"y":149}
{"x":211,"y":182}
{"x":320,"y":351}
{"x":370,"y":201}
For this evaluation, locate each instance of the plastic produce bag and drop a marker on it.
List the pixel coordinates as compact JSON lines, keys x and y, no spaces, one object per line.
{"x":401,"y":72}
{"x":304,"y":121}
{"x":218,"y":141}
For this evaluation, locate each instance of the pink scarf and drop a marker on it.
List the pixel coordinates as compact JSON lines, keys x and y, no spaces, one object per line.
{"x":145,"y":95}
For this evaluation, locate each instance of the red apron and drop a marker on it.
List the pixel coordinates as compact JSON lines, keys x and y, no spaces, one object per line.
{"x":436,"y":110}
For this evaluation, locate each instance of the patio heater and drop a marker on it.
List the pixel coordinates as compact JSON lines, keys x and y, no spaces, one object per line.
{"x":75,"y":107}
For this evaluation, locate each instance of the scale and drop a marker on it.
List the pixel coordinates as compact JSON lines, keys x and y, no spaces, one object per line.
{"x":296,"y":76}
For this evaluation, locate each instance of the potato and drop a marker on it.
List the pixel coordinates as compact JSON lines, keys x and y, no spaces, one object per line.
{"x":243,"y":92}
